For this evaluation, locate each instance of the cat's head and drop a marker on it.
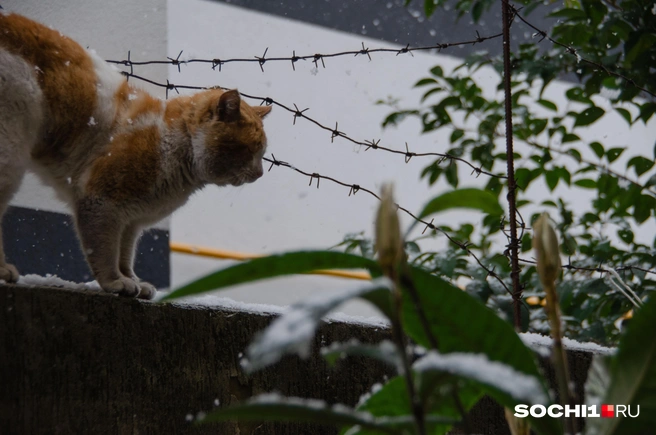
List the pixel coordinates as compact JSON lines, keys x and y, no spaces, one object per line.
{"x":232,"y":143}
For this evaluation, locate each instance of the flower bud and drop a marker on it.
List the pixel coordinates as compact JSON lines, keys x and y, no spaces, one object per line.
{"x":389,"y":243}
{"x":545,"y":243}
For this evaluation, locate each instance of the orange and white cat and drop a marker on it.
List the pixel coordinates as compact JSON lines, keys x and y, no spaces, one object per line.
{"x":119,"y":157}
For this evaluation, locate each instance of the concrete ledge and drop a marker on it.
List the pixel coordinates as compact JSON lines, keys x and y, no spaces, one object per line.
{"x":74,"y":362}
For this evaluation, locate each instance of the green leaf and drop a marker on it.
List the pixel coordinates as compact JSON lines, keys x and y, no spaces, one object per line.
{"x":451,"y":174}
{"x":395,"y":117}
{"x":569,"y":13}
{"x":430,"y":92}
{"x":429,"y":7}
{"x":586,"y":183}
{"x":647,"y":110}
{"x":437,"y":71}
{"x":457,"y":134}
{"x":575,"y":153}
{"x":461,"y":323}
{"x":425,"y":81}
{"x":626,"y":235}
{"x":523,"y":177}
{"x":579,"y":95}
{"x":548,"y":104}
{"x":552,"y":179}
{"x":597,"y":148}
{"x":437,"y":394}
{"x":613,"y":153}
{"x":643,"y":208}
{"x":570,"y":137}
{"x":272,"y":266}
{"x":633,"y":377}
{"x":625,"y":114}
{"x":640,"y":164}
{"x":537,"y":126}
{"x":588,"y":116}
{"x":477,"y":11}
{"x":471,"y":198}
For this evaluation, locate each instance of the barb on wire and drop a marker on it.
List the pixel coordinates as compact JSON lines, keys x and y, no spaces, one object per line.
{"x":262,"y":60}
{"x":175,"y":61}
{"x":354,"y":188}
{"x":316,"y":57}
{"x":334,"y":132}
{"x":571,"y":50}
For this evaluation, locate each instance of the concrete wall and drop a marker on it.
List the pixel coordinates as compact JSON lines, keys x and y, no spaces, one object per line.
{"x":86,"y":362}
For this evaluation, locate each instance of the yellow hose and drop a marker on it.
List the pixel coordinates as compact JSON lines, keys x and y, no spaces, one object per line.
{"x":202,"y":251}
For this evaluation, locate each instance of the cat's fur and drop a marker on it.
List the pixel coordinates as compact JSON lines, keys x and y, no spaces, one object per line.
{"x":119,"y":157}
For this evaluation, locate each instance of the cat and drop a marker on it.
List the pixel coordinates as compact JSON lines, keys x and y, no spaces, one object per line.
{"x":119,"y":157}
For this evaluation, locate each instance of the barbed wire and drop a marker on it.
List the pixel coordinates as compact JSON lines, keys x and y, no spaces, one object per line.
{"x":334,"y":132}
{"x":599,"y":269}
{"x":574,"y":52}
{"x":355,"y":188}
{"x":315,"y":58}
{"x":375,"y":143}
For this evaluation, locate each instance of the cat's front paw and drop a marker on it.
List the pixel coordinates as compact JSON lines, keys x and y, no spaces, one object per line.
{"x":8,"y":273}
{"x":122,"y":286}
{"x":146,"y":290}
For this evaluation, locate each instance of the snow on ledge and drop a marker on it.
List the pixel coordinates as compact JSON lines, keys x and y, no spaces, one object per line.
{"x":540,"y":343}
{"x":33,"y":280}
{"x":207,"y":300}
{"x":214,"y":301}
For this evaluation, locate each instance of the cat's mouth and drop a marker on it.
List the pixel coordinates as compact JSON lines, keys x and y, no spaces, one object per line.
{"x":242,"y":179}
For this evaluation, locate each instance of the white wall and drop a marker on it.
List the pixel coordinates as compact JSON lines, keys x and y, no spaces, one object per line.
{"x":280,"y":211}
{"x":110,"y":28}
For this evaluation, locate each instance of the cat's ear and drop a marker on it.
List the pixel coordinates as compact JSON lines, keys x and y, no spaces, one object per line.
{"x":228,"y":106}
{"x":262,"y":111}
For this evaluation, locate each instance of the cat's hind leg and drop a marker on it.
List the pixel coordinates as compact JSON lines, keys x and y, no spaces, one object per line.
{"x":10,"y":179}
{"x":129,"y":241}
{"x":100,"y":230}
{"x":13,"y":162}
{"x":21,"y":120}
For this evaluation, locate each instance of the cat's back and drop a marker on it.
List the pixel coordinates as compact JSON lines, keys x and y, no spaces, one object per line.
{"x":72,"y":81}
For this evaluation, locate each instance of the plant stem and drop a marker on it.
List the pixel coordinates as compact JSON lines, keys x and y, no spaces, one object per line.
{"x":558,"y":355}
{"x":399,"y":340}
{"x":512,"y":186}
